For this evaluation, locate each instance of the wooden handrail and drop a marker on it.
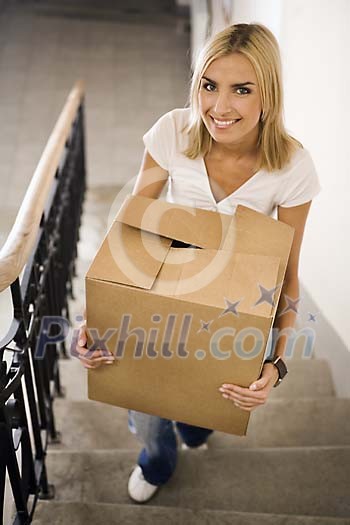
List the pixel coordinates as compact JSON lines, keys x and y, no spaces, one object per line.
{"x":20,"y":241}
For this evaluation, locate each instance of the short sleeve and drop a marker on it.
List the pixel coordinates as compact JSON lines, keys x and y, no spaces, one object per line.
{"x":159,"y":140}
{"x":301,"y":183}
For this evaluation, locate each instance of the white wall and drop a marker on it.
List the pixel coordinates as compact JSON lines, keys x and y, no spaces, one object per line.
{"x":316,"y":53}
{"x":315,"y":49}
{"x":267,"y":12}
{"x":220,"y":14}
{"x":199,"y":26}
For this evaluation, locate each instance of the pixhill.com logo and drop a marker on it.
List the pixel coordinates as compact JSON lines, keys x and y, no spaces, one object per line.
{"x":167,"y":338}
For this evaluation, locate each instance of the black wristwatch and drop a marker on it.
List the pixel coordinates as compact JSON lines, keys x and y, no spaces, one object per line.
{"x":281,"y":367}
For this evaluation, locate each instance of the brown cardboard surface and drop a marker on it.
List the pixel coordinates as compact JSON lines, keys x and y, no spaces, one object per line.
{"x":182,"y":388}
{"x":238,"y":276}
{"x":206,"y":229}
{"x":126,"y":247}
{"x":169,"y":363}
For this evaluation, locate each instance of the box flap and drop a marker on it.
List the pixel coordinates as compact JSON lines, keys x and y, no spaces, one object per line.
{"x":211,"y":277}
{"x":129,"y":256}
{"x":206,"y":229}
{"x":254,"y":233}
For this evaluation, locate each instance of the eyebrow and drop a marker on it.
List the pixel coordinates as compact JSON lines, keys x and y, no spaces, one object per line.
{"x":241,"y":84}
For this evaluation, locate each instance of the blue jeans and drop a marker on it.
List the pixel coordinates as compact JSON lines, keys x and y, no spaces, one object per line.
{"x":158,"y":458}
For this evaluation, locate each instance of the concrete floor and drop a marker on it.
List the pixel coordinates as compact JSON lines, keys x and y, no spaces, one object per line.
{"x":134,"y":58}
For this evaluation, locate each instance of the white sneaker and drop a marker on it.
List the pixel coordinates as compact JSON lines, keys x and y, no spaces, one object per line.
{"x":138,"y":488}
{"x":201,"y":447}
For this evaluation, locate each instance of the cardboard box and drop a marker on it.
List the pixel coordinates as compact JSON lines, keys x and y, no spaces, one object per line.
{"x":182,"y":322}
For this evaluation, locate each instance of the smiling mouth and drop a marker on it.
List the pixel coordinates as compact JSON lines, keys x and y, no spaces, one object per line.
{"x":224,"y":124}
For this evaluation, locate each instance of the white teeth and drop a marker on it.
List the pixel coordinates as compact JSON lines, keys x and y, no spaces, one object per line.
{"x":224,"y":123}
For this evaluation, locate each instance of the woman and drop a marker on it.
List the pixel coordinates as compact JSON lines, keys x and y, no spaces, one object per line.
{"x":228,"y":147}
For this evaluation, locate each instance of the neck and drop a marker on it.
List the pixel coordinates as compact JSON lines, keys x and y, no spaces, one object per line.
{"x":246,"y":148}
{"x":224,"y":151}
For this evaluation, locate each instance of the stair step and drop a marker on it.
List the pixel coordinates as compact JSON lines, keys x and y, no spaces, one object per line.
{"x":306,"y":378}
{"x":87,"y":425}
{"x":254,"y":480}
{"x":56,"y":513}
{"x":294,"y":423}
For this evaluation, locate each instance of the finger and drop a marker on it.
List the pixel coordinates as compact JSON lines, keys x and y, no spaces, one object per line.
{"x":255,"y":393}
{"x":248,"y":399}
{"x":96,"y":360}
{"x":240,"y":404}
{"x":88,"y":366}
{"x":92,"y":360}
{"x":240,"y":390}
{"x":94,"y":365}
{"x":244,"y":404}
{"x":247,"y":409}
{"x":247,"y":396}
{"x":259,"y":385}
{"x":88,"y":354}
{"x":97,"y":365}
{"x":80,"y":350}
{"x":100,"y":352}
{"x":82,"y":337}
{"x":84,"y":352}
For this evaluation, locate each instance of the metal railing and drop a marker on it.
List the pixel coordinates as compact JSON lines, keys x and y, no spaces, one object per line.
{"x":37,"y":262}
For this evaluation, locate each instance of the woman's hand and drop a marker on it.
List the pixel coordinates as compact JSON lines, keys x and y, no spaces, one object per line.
{"x":91,"y":359}
{"x":257,"y":393}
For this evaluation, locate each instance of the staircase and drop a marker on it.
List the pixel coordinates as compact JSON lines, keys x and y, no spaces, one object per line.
{"x":292,"y":468}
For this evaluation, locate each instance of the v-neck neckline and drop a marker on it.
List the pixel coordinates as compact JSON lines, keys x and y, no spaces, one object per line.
{"x":204,"y":167}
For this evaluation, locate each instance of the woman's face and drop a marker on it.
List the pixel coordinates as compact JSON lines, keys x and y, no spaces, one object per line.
{"x":229,"y":101}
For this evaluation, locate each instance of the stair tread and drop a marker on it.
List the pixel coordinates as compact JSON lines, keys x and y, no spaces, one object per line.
{"x":319,"y":475}
{"x":56,"y":513}
{"x":288,"y":422}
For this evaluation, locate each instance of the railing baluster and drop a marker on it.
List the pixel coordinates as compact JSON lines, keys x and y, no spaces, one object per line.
{"x":29,"y":385}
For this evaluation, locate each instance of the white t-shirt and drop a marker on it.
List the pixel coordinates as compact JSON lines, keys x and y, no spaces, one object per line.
{"x":295,"y":184}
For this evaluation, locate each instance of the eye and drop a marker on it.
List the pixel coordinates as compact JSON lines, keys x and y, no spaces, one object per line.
{"x":243,"y":91}
{"x":207,"y":85}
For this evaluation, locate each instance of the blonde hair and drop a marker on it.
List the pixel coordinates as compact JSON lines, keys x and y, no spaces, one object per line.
{"x":260,"y":47}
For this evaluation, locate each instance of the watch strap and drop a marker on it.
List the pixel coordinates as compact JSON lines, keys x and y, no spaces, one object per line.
{"x":281,"y":368}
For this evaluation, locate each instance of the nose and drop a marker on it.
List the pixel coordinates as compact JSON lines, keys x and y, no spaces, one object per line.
{"x":223,"y":104}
